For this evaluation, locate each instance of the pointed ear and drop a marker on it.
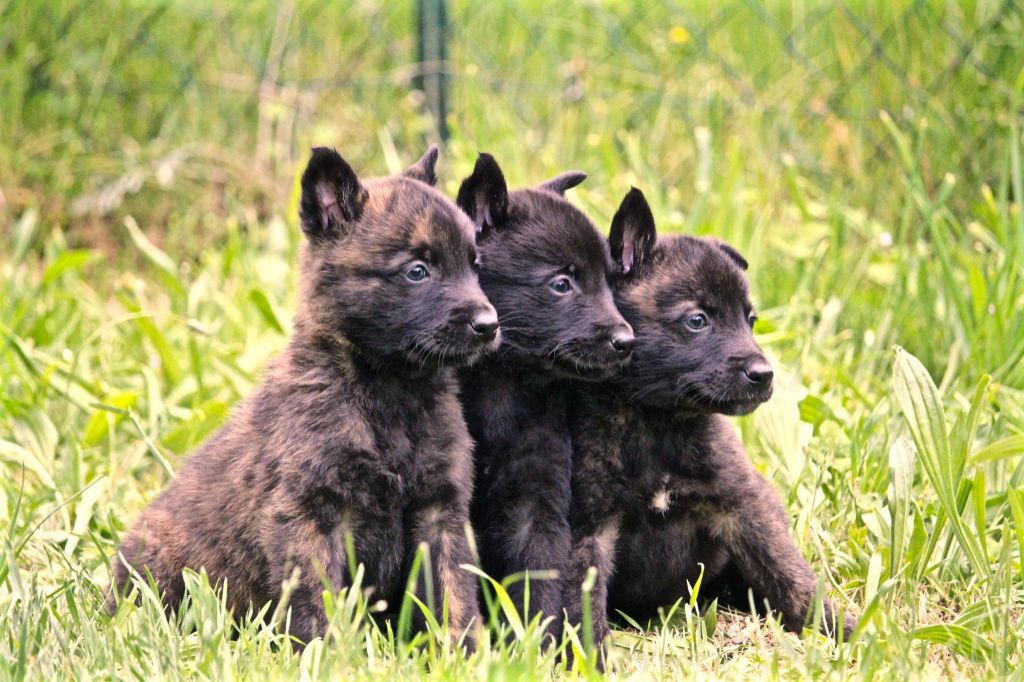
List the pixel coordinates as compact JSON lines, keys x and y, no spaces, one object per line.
{"x":484,"y":195}
{"x":423,"y":170}
{"x":633,"y":234}
{"x":560,"y":183}
{"x":733,"y":254}
{"x":331,"y":195}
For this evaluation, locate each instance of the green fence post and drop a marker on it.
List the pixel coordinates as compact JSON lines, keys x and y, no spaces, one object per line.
{"x":432,"y":54}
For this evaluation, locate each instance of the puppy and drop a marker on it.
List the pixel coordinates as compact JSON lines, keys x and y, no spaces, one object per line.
{"x":355,"y":429}
{"x":661,"y":482}
{"x":545,"y":268}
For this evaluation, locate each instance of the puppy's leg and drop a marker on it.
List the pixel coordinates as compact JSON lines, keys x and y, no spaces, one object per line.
{"x":442,"y":528}
{"x":528,"y":526}
{"x":319,"y":555}
{"x":591,"y":549}
{"x":145,"y":550}
{"x":766,"y":555}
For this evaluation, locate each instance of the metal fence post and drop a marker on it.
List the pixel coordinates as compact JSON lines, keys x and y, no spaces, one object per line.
{"x":432,"y":54}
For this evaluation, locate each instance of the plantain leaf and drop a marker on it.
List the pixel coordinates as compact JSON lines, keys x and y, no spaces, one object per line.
{"x":921,"y":404}
{"x":958,"y":639}
{"x":1016,"y":500}
{"x":979,"y":499}
{"x":901,"y":477}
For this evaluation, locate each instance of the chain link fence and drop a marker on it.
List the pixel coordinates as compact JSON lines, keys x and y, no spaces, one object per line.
{"x":112,"y":103}
{"x":805,"y":82}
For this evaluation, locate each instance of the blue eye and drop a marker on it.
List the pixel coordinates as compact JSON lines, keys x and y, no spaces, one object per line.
{"x":697,"y":322}
{"x":751,"y":319}
{"x":561,"y":285}
{"x":417,"y":273}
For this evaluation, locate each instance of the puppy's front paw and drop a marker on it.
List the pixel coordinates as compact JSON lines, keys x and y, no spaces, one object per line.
{"x":830,"y":622}
{"x":849,"y":625}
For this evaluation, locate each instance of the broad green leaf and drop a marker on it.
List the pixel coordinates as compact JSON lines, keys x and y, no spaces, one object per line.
{"x":901,"y":478}
{"x":979,"y":499}
{"x":1011,"y":446}
{"x":1016,"y":500}
{"x":921,"y":404}
{"x":958,"y":639}
{"x":919,"y":399}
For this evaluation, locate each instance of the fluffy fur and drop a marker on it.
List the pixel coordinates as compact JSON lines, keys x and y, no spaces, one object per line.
{"x":545,"y":269}
{"x":661,"y":483}
{"x":355,"y":429}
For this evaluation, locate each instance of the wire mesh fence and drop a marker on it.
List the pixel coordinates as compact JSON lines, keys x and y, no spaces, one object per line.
{"x":105,"y":101}
{"x":808,"y":81}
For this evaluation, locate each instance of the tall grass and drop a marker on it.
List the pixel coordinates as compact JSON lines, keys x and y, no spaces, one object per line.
{"x":129,"y":330}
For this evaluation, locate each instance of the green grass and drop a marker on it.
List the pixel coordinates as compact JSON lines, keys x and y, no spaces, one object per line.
{"x":148,"y":274}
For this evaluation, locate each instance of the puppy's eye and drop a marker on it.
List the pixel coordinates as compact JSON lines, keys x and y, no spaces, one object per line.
{"x":417,"y":273}
{"x":751,"y":319}
{"x":696,"y":322}
{"x":561,"y":285}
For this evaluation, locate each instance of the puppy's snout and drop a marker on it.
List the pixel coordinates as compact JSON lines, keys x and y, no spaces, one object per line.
{"x":759,"y":372}
{"x":623,"y":341}
{"x":485,"y":323}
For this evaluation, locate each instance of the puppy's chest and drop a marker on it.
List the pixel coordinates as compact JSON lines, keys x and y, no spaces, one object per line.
{"x":420,"y":442}
{"x":671,"y":478}
{"x":670,"y":496}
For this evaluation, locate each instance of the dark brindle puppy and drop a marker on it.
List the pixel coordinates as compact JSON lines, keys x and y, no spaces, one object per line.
{"x":356,"y":427}
{"x":661,"y":481}
{"x":545,"y":269}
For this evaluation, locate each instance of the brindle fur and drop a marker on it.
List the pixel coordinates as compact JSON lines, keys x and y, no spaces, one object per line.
{"x":516,"y":399}
{"x":661,"y":483}
{"x":355,"y":429}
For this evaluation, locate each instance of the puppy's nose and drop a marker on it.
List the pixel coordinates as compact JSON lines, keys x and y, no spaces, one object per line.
{"x":485,"y":324}
{"x":759,"y":372}
{"x":622,"y":342}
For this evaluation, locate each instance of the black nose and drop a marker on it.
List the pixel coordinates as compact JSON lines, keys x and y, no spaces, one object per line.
{"x":759,"y":372}
{"x":485,"y":324}
{"x":623,"y":342}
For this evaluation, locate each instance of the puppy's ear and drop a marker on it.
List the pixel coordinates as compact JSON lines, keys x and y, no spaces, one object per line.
{"x":560,"y":183}
{"x":423,"y":170}
{"x":332,"y":197}
{"x":734,"y":255}
{"x":633,"y":234}
{"x":484,"y":196}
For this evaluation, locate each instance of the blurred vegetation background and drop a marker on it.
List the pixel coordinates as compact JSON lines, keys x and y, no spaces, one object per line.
{"x":184,"y":114}
{"x":156,"y":108}
{"x":864,"y":156}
